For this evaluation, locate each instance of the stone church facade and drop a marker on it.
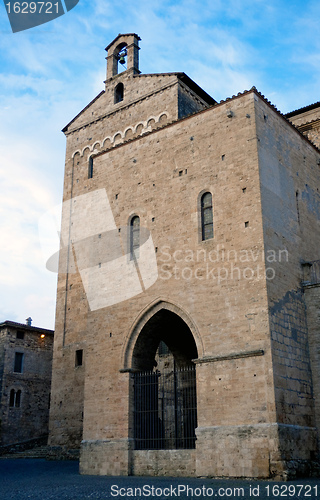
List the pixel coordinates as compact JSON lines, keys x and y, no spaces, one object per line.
{"x":190,"y":232}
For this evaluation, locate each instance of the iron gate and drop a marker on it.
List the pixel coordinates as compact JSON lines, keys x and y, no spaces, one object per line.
{"x":165,"y":409}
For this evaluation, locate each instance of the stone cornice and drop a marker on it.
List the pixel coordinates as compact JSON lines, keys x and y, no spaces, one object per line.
{"x":227,"y":357}
{"x":309,"y":125}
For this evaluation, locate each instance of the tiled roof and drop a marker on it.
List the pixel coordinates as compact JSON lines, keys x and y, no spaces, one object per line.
{"x":23,"y":326}
{"x":303,"y":110}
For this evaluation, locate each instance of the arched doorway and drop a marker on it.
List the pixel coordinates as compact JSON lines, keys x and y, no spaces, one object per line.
{"x":164,"y":399}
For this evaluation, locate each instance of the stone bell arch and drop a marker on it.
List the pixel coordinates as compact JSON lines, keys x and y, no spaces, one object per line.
{"x":128,"y":42}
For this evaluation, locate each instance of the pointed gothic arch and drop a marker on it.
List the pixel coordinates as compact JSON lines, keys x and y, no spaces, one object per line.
{"x":164,"y":402}
{"x":127,"y":360}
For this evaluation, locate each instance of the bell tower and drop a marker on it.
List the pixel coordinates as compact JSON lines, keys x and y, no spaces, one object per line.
{"x":123,"y":47}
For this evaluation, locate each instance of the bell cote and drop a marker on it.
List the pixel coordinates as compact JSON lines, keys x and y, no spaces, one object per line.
{"x":124,"y":49}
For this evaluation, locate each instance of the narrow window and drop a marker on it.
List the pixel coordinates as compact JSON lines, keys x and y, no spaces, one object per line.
{"x":18,"y":362}
{"x":79,"y":357}
{"x":206,"y":216}
{"x":90,"y":168}
{"x":20,"y":334}
{"x":118,"y":93}
{"x":12,"y":398}
{"x":15,"y":398}
{"x":18,"y":399}
{"x":134,"y":237}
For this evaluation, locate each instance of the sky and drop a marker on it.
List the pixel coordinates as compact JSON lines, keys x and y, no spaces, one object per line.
{"x":51,"y":72}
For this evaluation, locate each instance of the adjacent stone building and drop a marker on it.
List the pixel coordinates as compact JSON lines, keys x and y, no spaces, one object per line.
{"x":183,"y":344}
{"x":25,"y":381}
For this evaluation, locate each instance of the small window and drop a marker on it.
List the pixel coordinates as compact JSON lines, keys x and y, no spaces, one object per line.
{"x":134,"y":237}
{"x":118,"y":93}
{"x":18,"y":362}
{"x":12,"y":398}
{"x":79,"y":357}
{"x":206,"y":216}
{"x":15,"y":398}
{"x":18,"y":399}
{"x":20,"y":334}
{"x":90,"y":168}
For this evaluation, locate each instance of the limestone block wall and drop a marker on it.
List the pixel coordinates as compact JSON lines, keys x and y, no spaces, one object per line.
{"x":308,"y":122}
{"x":289,"y":175}
{"x":180,"y":463}
{"x":188,"y":101}
{"x":148,"y":103}
{"x":254,"y":388}
{"x":160,"y":177}
{"x":312,"y":300}
{"x":67,"y":405}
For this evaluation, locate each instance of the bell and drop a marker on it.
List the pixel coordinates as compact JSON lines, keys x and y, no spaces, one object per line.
{"x":122,"y":59}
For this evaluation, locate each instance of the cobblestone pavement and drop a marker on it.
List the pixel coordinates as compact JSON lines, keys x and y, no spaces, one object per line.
{"x":38,"y":479}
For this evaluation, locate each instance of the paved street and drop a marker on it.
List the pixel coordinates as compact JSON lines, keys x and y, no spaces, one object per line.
{"x":39,"y":479}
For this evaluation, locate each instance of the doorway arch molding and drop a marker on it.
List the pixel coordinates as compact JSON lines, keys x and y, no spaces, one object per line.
{"x":142,"y":319}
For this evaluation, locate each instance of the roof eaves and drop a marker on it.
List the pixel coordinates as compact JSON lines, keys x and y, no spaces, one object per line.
{"x":120,"y":35}
{"x":299,"y":111}
{"x":228,"y":99}
{"x":23,"y":326}
{"x":187,"y":81}
{"x":286,"y":118}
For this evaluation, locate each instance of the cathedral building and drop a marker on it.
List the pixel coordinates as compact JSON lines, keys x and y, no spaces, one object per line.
{"x":187,"y":326}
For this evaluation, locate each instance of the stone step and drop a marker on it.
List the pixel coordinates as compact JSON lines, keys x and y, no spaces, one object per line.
{"x":38,"y":452}
{"x":47,"y":452}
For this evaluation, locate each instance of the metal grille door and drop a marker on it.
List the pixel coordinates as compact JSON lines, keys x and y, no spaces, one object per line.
{"x":165,"y":412}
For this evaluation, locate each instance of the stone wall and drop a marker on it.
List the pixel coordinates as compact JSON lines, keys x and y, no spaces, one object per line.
{"x":27,"y":418}
{"x":307,"y":120}
{"x":312,"y":300}
{"x":291,"y":212}
{"x":238,"y":293}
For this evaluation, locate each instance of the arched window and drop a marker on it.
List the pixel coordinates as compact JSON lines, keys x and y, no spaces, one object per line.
{"x":206,"y":216}
{"x":90,"y":168}
{"x":118,"y":93}
{"x":18,"y":399}
{"x":134,"y":237}
{"x":15,"y":398}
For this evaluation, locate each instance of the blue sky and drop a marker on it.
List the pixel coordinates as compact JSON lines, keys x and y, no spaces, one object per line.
{"x":50,"y":72}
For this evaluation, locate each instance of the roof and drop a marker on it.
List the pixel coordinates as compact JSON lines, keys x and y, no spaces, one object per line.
{"x":23,"y":326}
{"x":310,"y":107}
{"x":120,"y":35}
{"x":187,"y":81}
{"x":221,"y":103}
{"x":180,"y":75}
